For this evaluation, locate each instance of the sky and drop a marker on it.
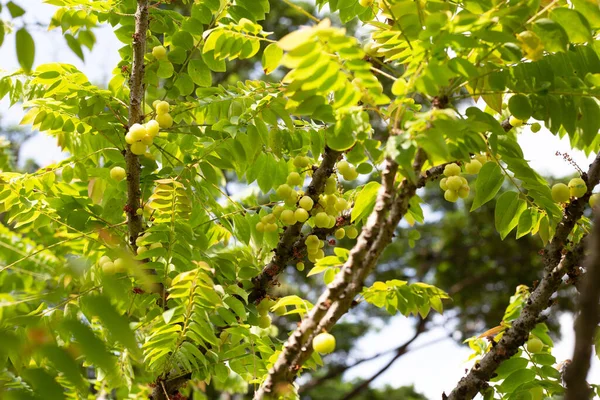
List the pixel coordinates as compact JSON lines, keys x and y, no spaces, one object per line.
{"x":444,"y":359}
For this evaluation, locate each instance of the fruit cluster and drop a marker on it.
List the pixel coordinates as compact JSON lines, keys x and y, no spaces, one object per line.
{"x":562,"y":193}
{"x":456,"y":186}
{"x":298,"y":207}
{"x":143,"y":246}
{"x":109,"y":267}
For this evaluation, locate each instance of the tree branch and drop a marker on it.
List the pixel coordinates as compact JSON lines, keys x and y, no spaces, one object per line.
{"x":136,"y":115}
{"x":284,"y":252}
{"x":587,"y":321}
{"x":400,"y":351}
{"x":390,"y":206}
{"x":555,"y":267}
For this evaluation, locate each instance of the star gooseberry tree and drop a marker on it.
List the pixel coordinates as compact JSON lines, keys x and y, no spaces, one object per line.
{"x":130,"y":272}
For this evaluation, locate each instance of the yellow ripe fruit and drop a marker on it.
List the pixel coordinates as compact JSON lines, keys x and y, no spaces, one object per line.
{"x":341,"y":204}
{"x":292,"y":199}
{"x":120,"y":265}
{"x":351,"y":175}
{"x":320,"y":254}
{"x":340,"y":233}
{"x":300,"y":266}
{"x":104,"y":260}
{"x":312,"y":250}
{"x":463,"y":192}
{"x":288,"y":217}
{"x":152,"y":128}
{"x":138,"y":148}
{"x":451,"y":170}
{"x":351,"y":232}
{"x":108,"y":268}
{"x":343,"y":167}
{"x":324,"y":343}
{"x":260,"y":227}
{"x":594,"y":199}
{"x":330,"y":185}
{"x":149,"y":156}
{"x":147,"y":140}
{"x":577,"y":187}
{"x":560,"y":193}
{"x":321,"y":220}
{"x":515,"y":122}
{"x":534,"y":345}
{"x":156,"y":245}
{"x":301,"y":215}
{"x":137,"y":132}
{"x":454,"y":183}
{"x":283,"y":191}
{"x":139,"y":211}
{"x":159,"y":52}
{"x":332,"y":222}
{"x":366,"y":3}
{"x":473,"y":167}
{"x":118,"y":174}
{"x":301,"y":161}
{"x":164,"y":120}
{"x":312,"y":241}
{"x":270,"y":227}
{"x":129,"y":138}
{"x":141,"y":250}
{"x":269,"y":219}
{"x":330,"y":199}
{"x":536,"y":127}
{"x":482,"y":158}
{"x":277,"y":210}
{"x":294,"y":179}
{"x":444,"y":184}
{"x":280,"y":311}
{"x":306,"y":202}
{"x":162,"y":107}
{"x":321,"y":244}
{"x":451,"y":195}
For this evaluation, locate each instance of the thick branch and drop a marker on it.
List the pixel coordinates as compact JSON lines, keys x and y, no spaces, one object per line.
{"x":136,"y":96}
{"x":337,"y":298}
{"x":554,"y":269}
{"x":284,"y":252}
{"x":587,"y":321}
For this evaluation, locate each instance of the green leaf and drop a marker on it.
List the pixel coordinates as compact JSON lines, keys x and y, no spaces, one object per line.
{"x":199,"y":73}
{"x":63,"y":362}
{"x":365,"y":201}
{"x":552,"y":34}
{"x":92,"y":347}
{"x":577,"y":27}
{"x":516,"y":379}
{"x":271,"y":58}
{"x":25,"y":49}
{"x":43,"y":384}
{"x":489,"y":181}
{"x":74,"y":45}
{"x":590,"y":119}
{"x":117,"y":324}
{"x":165,"y":70}
{"x":15,"y":10}
{"x":510,"y":366}
{"x":508,"y":210}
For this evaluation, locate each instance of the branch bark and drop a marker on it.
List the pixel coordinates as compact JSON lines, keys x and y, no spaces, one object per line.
{"x":587,"y":321}
{"x":391,"y":204}
{"x":555,"y":266}
{"x":136,"y":115}
{"x":284,"y":252}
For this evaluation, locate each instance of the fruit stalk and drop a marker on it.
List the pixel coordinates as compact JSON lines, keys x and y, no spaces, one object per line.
{"x":136,"y":115}
{"x":555,"y":266}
